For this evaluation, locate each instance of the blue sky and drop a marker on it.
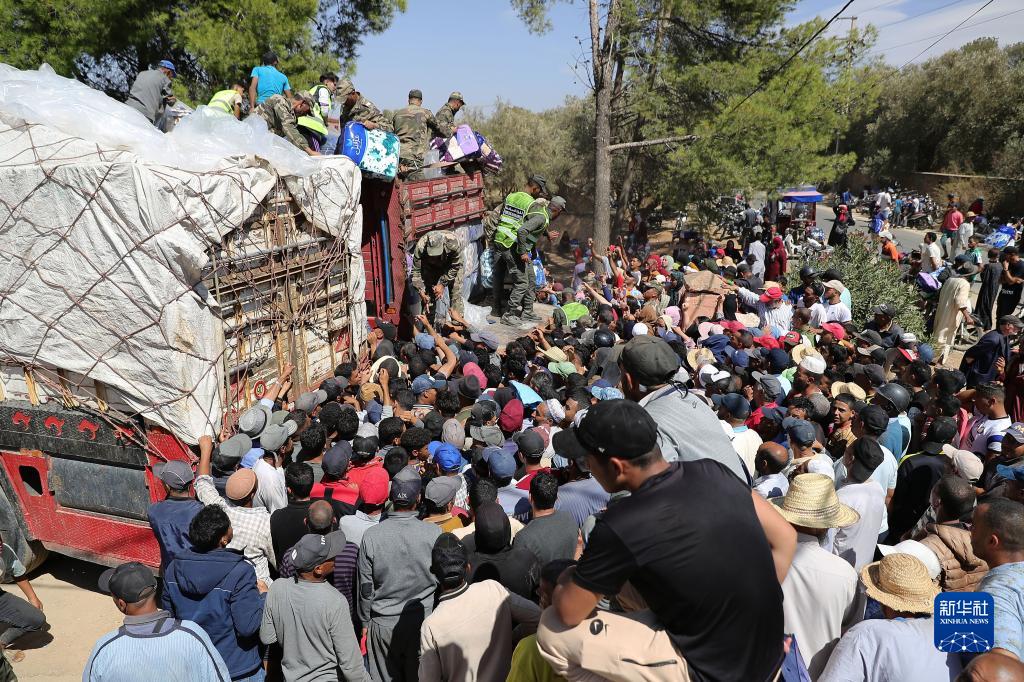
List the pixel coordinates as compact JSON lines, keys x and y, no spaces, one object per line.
{"x":482,"y":48}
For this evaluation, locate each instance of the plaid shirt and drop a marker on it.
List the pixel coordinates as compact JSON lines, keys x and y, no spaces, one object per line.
{"x":251,"y":528}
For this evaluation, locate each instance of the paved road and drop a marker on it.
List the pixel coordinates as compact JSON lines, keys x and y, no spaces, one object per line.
{"x":906,"y":239}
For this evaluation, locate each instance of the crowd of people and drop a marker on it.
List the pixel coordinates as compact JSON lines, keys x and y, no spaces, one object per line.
{"x":653,"y":483}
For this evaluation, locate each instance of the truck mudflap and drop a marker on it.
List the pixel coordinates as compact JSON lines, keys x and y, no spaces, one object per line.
{"x":79,"y":484}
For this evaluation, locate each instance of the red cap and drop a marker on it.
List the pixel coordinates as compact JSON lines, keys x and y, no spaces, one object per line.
{"x":767,"y":341}
{"x":511,"y":418}
{"x":792,"y":337}
{"x":835,"y":329}
{"x":909,"y":354}
{"x":473,"y":369}
{"x":731,"y":325}
{"x":373,"y":487}
{"x":771,"y":294}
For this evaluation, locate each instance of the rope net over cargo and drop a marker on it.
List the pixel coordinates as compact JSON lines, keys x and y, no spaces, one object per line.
{"x":141,"y":281}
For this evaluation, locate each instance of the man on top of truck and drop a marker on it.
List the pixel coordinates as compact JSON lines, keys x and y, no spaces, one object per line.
{"x":521,"y":211}
{"x":414,"y":125}
{"x":229,"y":101}
{"x":357,"y":108}
{"x":323,"y":94}
{"x":437,"y":266}
{"x":282,"y":116}
{"x":446,"y":114}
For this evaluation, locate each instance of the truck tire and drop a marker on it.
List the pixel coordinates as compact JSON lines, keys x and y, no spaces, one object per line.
{"x":31,"y":553}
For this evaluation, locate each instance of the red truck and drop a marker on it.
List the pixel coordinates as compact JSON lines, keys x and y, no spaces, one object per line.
{"x":77,"y":478}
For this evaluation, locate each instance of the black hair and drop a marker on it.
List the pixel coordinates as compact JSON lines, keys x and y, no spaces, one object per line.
{"x":481,"y":492}
{"x":345,"y":369}
{"x":326,"y":76}
{"x":544,"y":490}
{"x":580,"y":395}
{"x":801,"y":402}
{"x":553,"y":570}
{"x":313,"y":441}
{"x":847,"y":398}
{"x":390,"y":428}
{"x":405,"y":399}
{"x":207,"y":527}
{"x":417,"y":366}
{"x":269,"y":57}
{"x":492,"y":373}
{"x":1006,"y":519}
{"x":920,"y":372}
{"x":348,"y":423}
{"x":956,"y":494}
{"x":947,"y":405}
{"x":328,"y":417}
{"x":528,"y":346}
{"x":990,"y":390}
{"x":298,"y":478}
{"x":415,"y":438}
{"x":299,"y":417}
{"x":396,"y":459}
{"x":447,"y":404}
{"x":515,"y":368}
{"x":544,"y":384}
{"x":433,"y":422}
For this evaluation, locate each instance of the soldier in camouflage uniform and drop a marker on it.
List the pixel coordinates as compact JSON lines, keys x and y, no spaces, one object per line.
{"x":446,"y":114}
{"x":415,"y":126}
{"x":437,"y":266}
{"x":281,"y":116}
{"x":524,"y":293}
{"x":357,"y":108}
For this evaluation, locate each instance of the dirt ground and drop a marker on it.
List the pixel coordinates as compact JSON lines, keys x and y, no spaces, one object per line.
{"x":78,"y":614}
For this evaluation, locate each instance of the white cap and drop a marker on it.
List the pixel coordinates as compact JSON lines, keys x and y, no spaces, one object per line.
{"x":965,"y":462}
{"x":640,"y":329}
{"x":815,"y":364}
{"x":918,"y":550}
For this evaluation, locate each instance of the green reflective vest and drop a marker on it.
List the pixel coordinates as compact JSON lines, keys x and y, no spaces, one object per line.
{"x":223,"y":101}
{"x":314,"y":123}
{"x":317,"y":110}
{"x":513,"y":214}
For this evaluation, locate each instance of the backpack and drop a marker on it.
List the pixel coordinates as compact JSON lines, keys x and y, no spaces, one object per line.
{"x":927,"y":282}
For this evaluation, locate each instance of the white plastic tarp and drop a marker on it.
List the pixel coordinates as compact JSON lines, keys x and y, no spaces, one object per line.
{"x":104,"y":228}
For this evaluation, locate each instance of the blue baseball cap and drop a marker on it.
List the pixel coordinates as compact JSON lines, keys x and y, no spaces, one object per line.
{"x":500,"y":462}
{"x":424,"y":341}
{"x":775,"y":414}
{"x":1010,"y":473}
{"x":446,"y":456}
{"x":169,"y":65}
{"x":800,"y":431}
{"x":424,"y":383}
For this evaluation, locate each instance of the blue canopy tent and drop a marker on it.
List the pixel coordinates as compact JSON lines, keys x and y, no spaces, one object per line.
{"x":806,"y":194}
{"x":804,"y":213}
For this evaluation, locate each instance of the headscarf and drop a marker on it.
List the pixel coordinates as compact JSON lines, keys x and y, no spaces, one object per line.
{"x":556,"y":410}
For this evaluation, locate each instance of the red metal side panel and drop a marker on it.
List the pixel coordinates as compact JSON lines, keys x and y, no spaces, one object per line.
{"x":380,"y":201}
{"x":102,"y":538}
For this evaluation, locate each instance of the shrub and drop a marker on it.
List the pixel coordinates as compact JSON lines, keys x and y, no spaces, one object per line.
{"x":871,"y":282}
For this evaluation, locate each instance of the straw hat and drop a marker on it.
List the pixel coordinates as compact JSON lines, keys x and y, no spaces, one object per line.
{"x":901,"y":582}
{"x":802,"y":350}
{"x":748,"y":319}
{"x":853,"y":389}
{"x":812,"y":502}
{"x":725,"y":261}
{"x":696,"y":357}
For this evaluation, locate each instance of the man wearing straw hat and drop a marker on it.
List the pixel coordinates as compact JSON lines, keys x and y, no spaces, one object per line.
{"x":900,"y":646}
{"x":820,"y":596}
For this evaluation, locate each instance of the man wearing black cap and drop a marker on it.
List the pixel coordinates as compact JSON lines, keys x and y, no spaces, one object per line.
{"x":687,"y":428}
{"x":170,"y":517}
{"x":151,"y":645}
{"x":310,"y":620}
{"x":986,"y":360}
{"x":884,"y":323}
{"x":396,"y":588}
{"x":917,"y":474}
{"x":856,"y":543}
{"x":715,"y":607}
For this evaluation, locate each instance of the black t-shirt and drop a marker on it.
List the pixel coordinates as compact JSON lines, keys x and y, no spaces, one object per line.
{"x":1013,"y":291}
{"x":915,"y":479}
{"x":516,"y":568}
{"x":287,"y":526}
{"x":690,"y":542}
{"x":550,"y":537}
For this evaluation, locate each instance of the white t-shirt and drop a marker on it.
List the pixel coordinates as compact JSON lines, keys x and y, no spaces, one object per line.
{"x":837,"y":312}
{"x":928,"y":253}
{"x":884,"y":200}
{"x":818,"y":316}
{"x":884,"y":475}
{"x":979,"y":430}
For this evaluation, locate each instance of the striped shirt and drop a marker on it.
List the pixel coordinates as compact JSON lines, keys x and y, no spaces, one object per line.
{"x":251,"y":526}
{"x":781,"y":317}
{"x":155,"y":646}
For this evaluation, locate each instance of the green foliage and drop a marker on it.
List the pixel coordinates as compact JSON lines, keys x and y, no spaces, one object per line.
{"x":871,"y":281}
{"x":556,"y":143}
{"x":958,"y":112}
{"x":213,"y":42}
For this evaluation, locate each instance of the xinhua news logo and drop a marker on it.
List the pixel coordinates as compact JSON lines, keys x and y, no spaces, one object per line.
{"x":964,"y":622}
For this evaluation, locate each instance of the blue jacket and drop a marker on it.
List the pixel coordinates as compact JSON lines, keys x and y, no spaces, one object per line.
{"x":170,"y":519}
{"x":217,"y":590}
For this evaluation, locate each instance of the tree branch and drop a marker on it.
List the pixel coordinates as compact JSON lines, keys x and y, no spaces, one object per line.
{"x":651,"y":143}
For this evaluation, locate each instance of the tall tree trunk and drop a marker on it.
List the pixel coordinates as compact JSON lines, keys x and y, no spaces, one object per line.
{"x":601,"y":51}
{"x":625,"y":190}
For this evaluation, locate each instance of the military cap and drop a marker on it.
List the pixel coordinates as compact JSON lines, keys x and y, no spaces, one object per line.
{"x":456,"y":95}
{"x":558,"y":202}
{"x":344,"y":88}
{"x":415,"y":94}
{"x":305,"y":97}
{"x":436,"y":242}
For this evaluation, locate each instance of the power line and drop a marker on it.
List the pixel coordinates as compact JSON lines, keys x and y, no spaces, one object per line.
{"x":921,"y":40}
{"x":944,"y":35}
{"x":779,"y":69}
{"x":921,"y":14}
